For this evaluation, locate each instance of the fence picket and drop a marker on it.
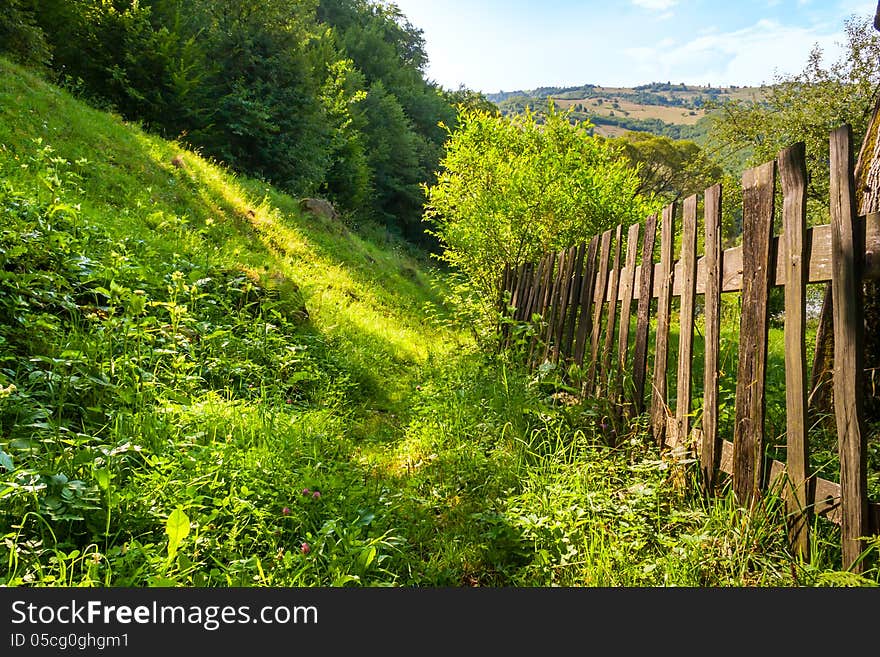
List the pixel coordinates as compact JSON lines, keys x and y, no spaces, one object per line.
{"x":564,"y":301}
{"x":643,"y":315}
{"x":748,"y":437}
{"x":686,"y":321}
{"x":848,"y":344}
{"x":585,"y":318}
{"x":627,"y":283}
{"x":793,"y":174}
{"x":598,"y":305}
{"x":575,"y":296}
{"x":710,"y":453}
{"x":661,"y":341}
{"x":611,"y":324}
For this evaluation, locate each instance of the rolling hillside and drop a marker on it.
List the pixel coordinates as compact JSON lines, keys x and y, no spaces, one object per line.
{"x":672,"y":110}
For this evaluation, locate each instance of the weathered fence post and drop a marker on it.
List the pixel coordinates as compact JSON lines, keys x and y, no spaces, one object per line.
{"x":710,"y":453}
{"x":666,"y":273}
{"x":574,"y":300}
{"x":848,"y":370}
{"x":748,"y":435}
{"x":628,"y":282}
{"x":599,"y":302}
{"x":553,"y":308}
{"x":793,"y":173}
{"x":643,"y":316}
{"x":611,"y":324}
{"x":565,"y":303}
{"x":686,"y":321}
{"x":585,"y":318}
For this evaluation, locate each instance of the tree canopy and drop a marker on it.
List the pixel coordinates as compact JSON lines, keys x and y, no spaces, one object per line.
{"x":323,"y":97}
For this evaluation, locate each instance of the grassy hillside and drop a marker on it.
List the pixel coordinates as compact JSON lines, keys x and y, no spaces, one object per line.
{"x":170,"y":327}
{"x":202,"y":385}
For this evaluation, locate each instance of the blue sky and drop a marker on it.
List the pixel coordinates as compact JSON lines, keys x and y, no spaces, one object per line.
{"x":493,"y":45}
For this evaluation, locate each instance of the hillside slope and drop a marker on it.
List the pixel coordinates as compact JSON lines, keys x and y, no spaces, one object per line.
{"x":172,"y":328}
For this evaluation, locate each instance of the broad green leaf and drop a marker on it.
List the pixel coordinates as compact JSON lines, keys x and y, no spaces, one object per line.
{"x":177,"y":527}
{"x":102,"y":476}
{"x":6,"y":461}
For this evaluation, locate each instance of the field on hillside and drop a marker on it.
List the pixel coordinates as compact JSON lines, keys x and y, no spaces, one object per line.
{"x":661,"y":108}
{"x":203,"y":385}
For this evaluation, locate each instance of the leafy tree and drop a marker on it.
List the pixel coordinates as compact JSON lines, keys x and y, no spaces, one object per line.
{"x":20,"y":35}
{"x":464,"y":99}
{"x":805,"y":107}
{"x":668,"y":168}
{"x":511,"y":189}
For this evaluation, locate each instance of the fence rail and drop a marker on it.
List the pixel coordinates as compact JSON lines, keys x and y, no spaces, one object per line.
{"x":573,"y":290}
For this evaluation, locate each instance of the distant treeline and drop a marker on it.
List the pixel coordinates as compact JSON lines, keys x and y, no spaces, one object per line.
{"x":319,"y":97}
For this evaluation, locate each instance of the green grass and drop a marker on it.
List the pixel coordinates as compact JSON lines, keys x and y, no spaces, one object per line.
{"x":202,"y":386}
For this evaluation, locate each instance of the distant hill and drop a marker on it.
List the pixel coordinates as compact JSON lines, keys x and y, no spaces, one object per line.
{"x":674,"y":110}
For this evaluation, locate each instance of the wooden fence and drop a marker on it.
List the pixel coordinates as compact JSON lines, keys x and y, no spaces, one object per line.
{"x":585,"y":298}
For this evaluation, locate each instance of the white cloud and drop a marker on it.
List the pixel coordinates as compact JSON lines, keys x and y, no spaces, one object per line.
{"x":749,"y":56}
{"x":655,"y":5}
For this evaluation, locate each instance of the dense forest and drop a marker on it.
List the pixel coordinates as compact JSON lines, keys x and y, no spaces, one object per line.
{"x":321,"y":97}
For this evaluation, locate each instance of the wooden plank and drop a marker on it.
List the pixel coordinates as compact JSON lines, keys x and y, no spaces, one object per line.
{"x":710,"y":453}
{"x":598,"y":305}
{"x":519,"y":285}
{"x":846,"y":293}
{"x":823,"y":499}
{"x":585,"y":317}
{"x":518,"y":300}
{"x":686,"y":321}
{"x":535,"y":283}
{"x":748,"y":438}
{"x":817,"y":249}
{"x":661,"y":340}
{"x":553,"y":306}
{"x":564,"y":301}
{"x":540,"y":301}
{"x":611,"y":324}
{"x":575,"y":296}
{"x":643,"y":318}
{"x":793,"y":174}
{"x":626,"y":295}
